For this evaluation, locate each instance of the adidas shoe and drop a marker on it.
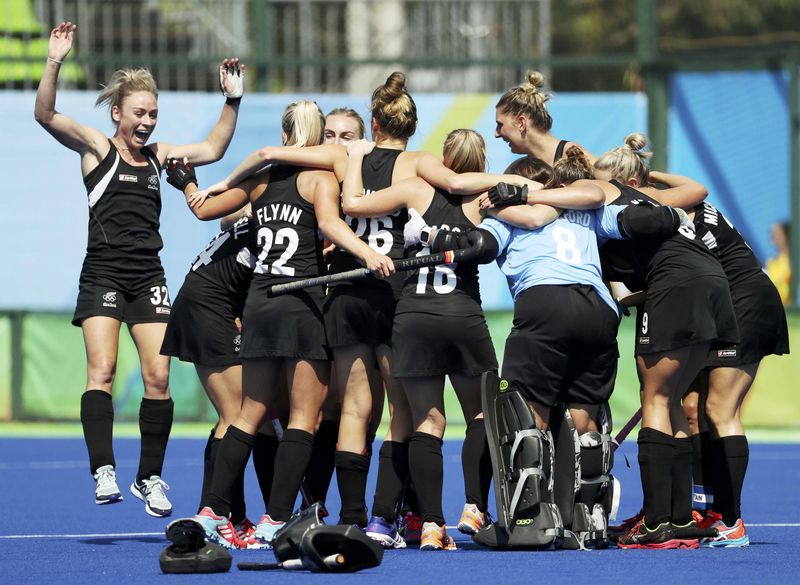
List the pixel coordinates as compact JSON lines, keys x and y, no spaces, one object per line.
{"x":728,"y":536}
{"x":472,"y":520}
{"x":410,"y":528}
{"x":218,"y":529}
{"x":384,"y":533}
{"x":435,"y":537}
{"x":246,"y":531}
{"x":266,"y":530}
{"x":660,"y":537}
{"x":151,"y":492}
{"x":106,"y":490}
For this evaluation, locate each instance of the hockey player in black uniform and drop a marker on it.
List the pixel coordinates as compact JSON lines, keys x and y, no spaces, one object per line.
{"x":714,"y":401}
{"x":687,"y":310}
{"x":122,"y":279}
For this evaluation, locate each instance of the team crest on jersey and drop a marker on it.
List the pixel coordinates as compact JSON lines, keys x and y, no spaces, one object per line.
{"x":110,"y":299}
{"x":726,"y":353}
{"x":129,"y":178}
{"x":644,"y":340}
{"x":152,"y":182}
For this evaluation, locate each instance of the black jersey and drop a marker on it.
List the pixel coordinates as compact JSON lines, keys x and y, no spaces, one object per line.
{"x":718,"y":234}
{"x":655,"y":262}
{"x":382,"y":234}
{"x":227,"y":259}
{"x":452,"y":289}
{"x":287,"y":237}
{"x":124,"y":207}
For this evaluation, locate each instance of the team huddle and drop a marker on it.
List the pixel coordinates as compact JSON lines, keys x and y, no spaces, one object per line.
{"x":298,"y":371}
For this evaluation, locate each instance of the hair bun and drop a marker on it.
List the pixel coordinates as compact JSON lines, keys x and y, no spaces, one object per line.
{"x":536,"y":79}
{"x":395,"y":84}
{"x":636,"y":141}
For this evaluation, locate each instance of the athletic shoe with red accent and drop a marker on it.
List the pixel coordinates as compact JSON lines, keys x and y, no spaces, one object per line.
{"x":411,"y":528}
{"x":246,"y":531}
{"x":614,"y":532}
{"x":728,"y":536}
{"x":266,"y":530}
{"x":709,"y":520}
{"x":218,"y":529}
{"x":472,"y":520}
{"x":435,"y":537}
{"x":660,"y":537}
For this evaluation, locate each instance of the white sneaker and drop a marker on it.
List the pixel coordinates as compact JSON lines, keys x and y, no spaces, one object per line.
{"x":105,"y":488}
{"x":151,"y":492}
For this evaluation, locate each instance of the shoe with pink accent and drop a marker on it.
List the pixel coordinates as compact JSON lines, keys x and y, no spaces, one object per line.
{"x":218,"y":529}
{"x":728,"y":536}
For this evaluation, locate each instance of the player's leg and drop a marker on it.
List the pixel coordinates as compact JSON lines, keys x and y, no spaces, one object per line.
{"x":101,"y":339}
{"x":155,"y":418}
{"x":308,"y":384}
{"x":476,"y":463}
{"x":727,"y":390}
{"x":357,"y":373}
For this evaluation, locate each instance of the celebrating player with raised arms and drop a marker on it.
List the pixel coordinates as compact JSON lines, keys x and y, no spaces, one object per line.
{"x":122,"y":280}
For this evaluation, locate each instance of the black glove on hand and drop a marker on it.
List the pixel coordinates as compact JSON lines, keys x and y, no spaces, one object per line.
{"x":505,"y":194}
{"x":180,"y":173}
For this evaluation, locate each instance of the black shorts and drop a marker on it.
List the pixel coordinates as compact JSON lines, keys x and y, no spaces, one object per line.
{"x":202,"y":327}
{"x":148,"y":303}
{"x":696,"y":311}
{"x":563,"y":346}
{"x":283,"y":326}
{"x":434,"y":345}
{"x":762,"y":328}
{"x":356,"y":314}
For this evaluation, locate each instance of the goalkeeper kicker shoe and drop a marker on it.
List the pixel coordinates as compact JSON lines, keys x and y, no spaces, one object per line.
{"x":106,"y":490}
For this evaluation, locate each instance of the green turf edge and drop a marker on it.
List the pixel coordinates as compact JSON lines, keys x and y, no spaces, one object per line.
{"x":49,"y":430}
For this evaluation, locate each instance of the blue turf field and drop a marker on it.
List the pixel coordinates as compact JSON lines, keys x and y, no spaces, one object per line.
{"x":52,"y":532}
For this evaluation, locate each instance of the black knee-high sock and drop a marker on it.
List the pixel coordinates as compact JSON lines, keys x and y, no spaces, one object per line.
{"x":425,"y":464}
{"x":264,"y":451}
{"x":656,"y":451}
{"x":238,"y":504}
{"x":234,"y":451}
{"x":97,"y":418}
{"x":392,"y":478}
{"x":320,"y":469}
{"x":351,"y":477}
{"x":209,"y":457}
{"x":702,"y":472}
{"x":155,"y":424}
{"x":291,"y":462}
{"x":682,"y":482}
{"x":736,"y":457}
{"x":477,"y":464}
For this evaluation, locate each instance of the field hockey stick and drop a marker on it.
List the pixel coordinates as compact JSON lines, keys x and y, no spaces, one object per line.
{"x":331,"y":561}
{"x":278,"y":427}
{"x":626,"y":430}
{"x":446,"y":257}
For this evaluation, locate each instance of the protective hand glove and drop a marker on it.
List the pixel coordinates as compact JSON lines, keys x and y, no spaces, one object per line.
{"x":506,"y":194}
{"x":180,"y":173}
{"x":413,"y":227}
{"x":234,"y":73}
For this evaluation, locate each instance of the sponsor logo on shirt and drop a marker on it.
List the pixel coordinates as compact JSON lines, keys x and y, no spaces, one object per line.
{"x":129,"y":178}
{"x":110,"y":299}
{"x":162,"y":310}
{"x":644,"y":340}
{"x":152,"y":182}
{"x":723,"y":353}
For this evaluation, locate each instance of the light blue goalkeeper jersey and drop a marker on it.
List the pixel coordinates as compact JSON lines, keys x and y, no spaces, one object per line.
{"x":563,"y":252}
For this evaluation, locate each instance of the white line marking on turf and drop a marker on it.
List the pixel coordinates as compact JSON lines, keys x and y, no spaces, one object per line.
{"x":112,"y":535}
{"x":785,"y":525}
